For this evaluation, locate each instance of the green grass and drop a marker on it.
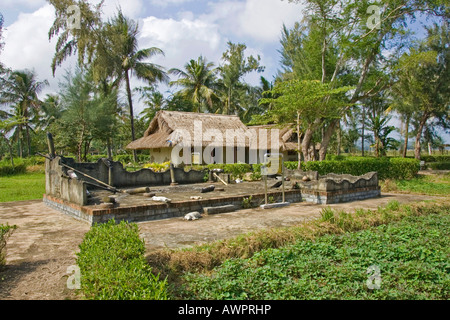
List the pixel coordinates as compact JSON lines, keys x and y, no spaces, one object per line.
{"x":412,"y":256}
{"x":436,"y":184}
{"x":28,"y":186}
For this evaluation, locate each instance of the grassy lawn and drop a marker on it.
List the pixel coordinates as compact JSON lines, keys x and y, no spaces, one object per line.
{"x":410,"y":259}
{"x":435,"y":184}
{"x":29,"y":186}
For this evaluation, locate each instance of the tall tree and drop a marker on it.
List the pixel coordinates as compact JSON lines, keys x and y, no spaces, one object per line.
{"x":198,"y":80}
{"x":154,"y":102}
{"x":342,"y":27}
{"x":306,"y":100}
{"x":424,"y":76}
{"x":235,"y":66}
{"x":20,"y":91}
{"x":122,"y":52}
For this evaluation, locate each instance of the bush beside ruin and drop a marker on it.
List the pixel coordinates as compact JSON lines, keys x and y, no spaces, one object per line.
{"x":113,"y":267}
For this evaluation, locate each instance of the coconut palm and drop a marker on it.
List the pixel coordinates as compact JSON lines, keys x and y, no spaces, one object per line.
{"x":119,"y":53}
{"x":20,"y":91}
{"x":154,"y":101}
{"x":198,"y":80}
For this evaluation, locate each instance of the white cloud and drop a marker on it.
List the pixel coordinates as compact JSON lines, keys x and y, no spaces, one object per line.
{"x":27,"y":45}
{"x":260,"y":20}
{"x":23,"y":3}
{"x":181,"y":40}
{"x":131,"y":8}
{"x":165,"y":3}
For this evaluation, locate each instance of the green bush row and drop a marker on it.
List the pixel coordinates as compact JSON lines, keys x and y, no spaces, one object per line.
{"x":439,"y":165}
{"x":124,"y":158}
{"x":7,"y":170}
{"x":113,"y":267}
{"x":437,"y":158}
{"x":387,"y":168}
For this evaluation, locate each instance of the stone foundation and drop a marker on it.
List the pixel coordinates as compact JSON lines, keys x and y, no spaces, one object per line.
{"x":149,"y":212}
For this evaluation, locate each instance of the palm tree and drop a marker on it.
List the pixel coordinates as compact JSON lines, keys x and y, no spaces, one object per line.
{"x":20,"y":90}
{"x":154,"y":100}
{"x":120,"y":52}
{"x":198,"y":81}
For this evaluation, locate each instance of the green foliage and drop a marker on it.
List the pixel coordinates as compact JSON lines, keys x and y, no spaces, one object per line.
{"x":438,"y":158}
{"x":112,"y":265}
{"x":237,"y":170}
{"x":439,"y":165}
{"x":387,"y":168}
{"x":158,"y":167}
{"x":424,"y":184}
{"x":256,"y":172}
{"x":412,"y":256}
{"x":8,"y":170}
{"x":5,"y":233}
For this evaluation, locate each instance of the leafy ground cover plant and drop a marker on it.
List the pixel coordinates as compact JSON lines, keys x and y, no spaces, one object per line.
{"x":409,"y":258}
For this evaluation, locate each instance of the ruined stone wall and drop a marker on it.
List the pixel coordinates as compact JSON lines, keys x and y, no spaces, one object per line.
{"x":60,"y":185}
{"x":335,"y":188}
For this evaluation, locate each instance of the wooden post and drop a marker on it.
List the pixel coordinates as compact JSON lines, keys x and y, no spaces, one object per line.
{"x":51,"y":145}
{"x":172,"y":175}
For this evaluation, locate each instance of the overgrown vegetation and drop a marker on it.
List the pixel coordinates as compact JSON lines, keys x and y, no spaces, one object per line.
{"x":436,"y":184}
{"x":387,"y":168}
{"x":5,"y":233}
{"x":203,"y":259}
{"x":412,"y":256}
{"x":112,"y":265}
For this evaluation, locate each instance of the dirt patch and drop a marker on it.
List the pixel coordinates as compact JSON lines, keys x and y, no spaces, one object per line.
{"x":46,"y":241}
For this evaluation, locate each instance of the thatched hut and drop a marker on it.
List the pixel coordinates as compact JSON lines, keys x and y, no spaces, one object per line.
{"x":209,"y":138}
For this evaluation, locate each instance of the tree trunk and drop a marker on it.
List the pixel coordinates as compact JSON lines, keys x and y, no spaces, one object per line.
{"x":405,"y":147}
{"x":419,"y":135}
{"x":362,"y":131}
{"x":299,"y":166}
{"x":339,"y":138}
{"x":108,"y":149}
{"x":306,"y":143}
{"x":27,"y":132}
{"x":130,"y":104}
{"x":326,"y":139}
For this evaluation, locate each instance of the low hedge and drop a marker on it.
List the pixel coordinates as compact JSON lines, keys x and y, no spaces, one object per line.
{"x":436,"y":158}
{"x":113,"y":266}
{"x":7,"y":170}
{"x":387,"y":168}
{"x":439,"y":165}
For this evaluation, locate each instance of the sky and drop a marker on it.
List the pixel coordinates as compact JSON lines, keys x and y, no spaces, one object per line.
{"x":183,"y":29}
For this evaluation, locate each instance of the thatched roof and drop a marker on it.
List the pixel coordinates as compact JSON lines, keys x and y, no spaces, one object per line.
{"x":168,"y":128}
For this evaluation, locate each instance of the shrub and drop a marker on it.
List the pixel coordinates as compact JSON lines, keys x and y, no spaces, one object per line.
{"x":158,"y":167}
{"x":113,"y":267}
{"x":436,"y":158}
{"x":5,"y":233}
{"x":439,"y":165}
{"x":387,"y":168}
{"x":256,"y":172}
{"x":7,"y":170}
